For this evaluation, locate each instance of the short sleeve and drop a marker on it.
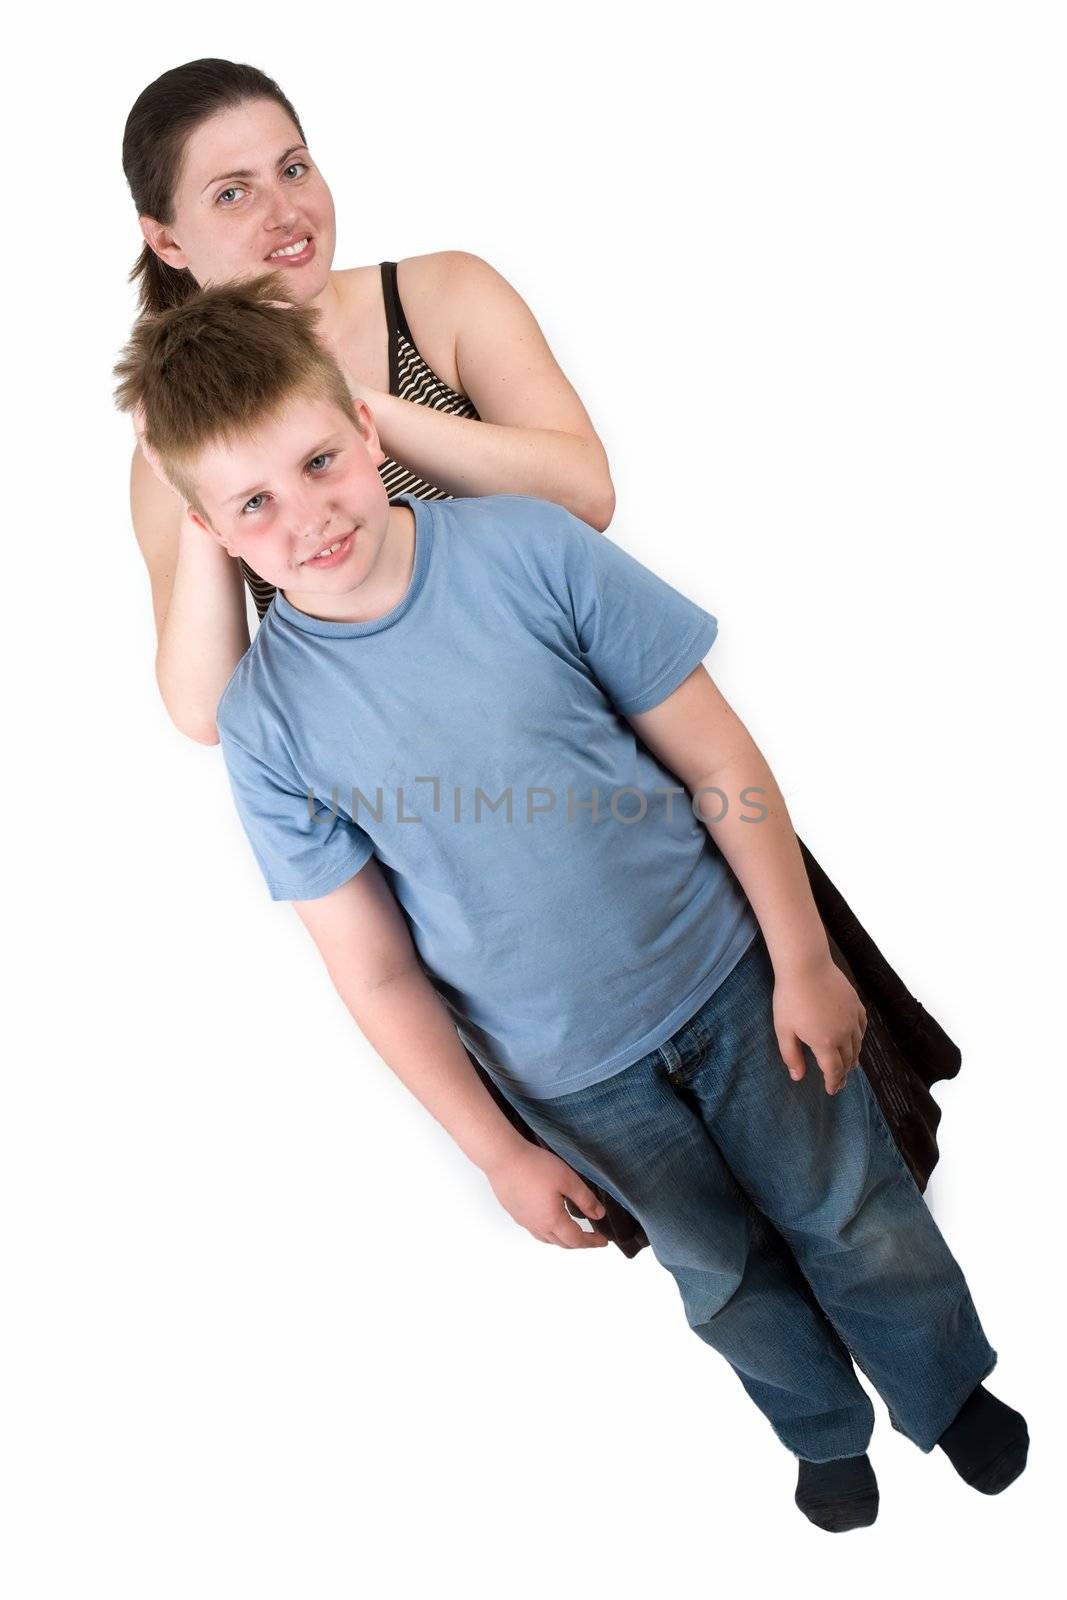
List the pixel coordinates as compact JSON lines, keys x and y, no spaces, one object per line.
{"x":641,"y":637}
{"x":303,"y":851}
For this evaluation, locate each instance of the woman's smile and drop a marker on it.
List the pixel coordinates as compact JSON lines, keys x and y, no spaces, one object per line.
{"x":296,"y":251}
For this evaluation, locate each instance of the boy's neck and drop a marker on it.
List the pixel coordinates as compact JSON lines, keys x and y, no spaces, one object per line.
{"x":384,"y":586}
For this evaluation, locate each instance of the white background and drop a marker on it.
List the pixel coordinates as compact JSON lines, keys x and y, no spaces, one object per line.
{"x":266,"y":1332}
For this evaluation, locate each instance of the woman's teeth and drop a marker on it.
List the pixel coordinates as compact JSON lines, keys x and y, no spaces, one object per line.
{"x":290,"y":249}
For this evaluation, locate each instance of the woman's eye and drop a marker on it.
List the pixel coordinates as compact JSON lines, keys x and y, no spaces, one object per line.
{"x":297,"y":166}
{"x":255,"y":504}
{"x":318,"y":462}
{"x":222,"y":196}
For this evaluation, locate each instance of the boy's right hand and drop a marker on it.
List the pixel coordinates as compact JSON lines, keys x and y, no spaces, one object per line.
{"x":531,"y":1185}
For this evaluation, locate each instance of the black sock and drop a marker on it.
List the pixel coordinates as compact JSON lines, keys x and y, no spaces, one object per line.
{"x":987,"y":1443}
{"x":838,"y":1495}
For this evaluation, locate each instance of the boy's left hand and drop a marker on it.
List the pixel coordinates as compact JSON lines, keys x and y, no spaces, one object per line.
{"x":819,"y":1008}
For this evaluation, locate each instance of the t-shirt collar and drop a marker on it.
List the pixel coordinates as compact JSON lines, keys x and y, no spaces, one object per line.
{"x":349,"y":630}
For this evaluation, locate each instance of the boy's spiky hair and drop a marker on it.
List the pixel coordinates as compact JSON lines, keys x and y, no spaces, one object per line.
{"x":211,"y":369}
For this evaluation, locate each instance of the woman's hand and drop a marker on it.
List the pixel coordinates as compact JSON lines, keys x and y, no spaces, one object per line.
{"x":357,"y":389}
{"x":819,"y":1008}
{"x":146,"y":449}
{"x":376,"y":399}
{"x":531,"y":1184}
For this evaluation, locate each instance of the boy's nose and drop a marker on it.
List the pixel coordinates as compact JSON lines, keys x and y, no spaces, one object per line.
{"x":311,"y":536}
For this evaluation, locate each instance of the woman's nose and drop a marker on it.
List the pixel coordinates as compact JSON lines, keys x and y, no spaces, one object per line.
{"x":281,"y":215}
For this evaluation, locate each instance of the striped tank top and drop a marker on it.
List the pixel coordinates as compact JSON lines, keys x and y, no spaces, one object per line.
{"x":411,"y":378}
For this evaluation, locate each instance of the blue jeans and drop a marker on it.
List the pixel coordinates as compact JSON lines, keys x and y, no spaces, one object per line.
{"x":706,"y":1139}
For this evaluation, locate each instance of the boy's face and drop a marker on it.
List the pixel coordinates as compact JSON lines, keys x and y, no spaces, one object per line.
{"x":304,"y":481}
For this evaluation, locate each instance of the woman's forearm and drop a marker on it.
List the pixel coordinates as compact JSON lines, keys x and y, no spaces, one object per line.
{"x":468,"y":457}
{"x":204,"y":634}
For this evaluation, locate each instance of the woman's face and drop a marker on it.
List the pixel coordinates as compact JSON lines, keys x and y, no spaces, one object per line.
{"x":247,"y":190}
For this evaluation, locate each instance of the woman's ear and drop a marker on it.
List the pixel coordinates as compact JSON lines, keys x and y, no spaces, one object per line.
{"x":162,"y":241}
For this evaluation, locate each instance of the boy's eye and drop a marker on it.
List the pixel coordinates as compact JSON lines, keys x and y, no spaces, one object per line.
{"x":318,"y":462}
{"x":255,"y":504}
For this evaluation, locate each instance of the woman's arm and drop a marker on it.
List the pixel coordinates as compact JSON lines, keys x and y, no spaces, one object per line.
{"x":535,"y":436}
{"x":198,"y":602}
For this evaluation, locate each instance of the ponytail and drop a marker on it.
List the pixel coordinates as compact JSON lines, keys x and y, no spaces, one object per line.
{"x":161,"y":120}
{"x":160,"y":287}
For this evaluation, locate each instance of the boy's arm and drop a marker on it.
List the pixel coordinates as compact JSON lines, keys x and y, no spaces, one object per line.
{"x":326,"y":868}
{"x":696,"y":734}
{"x":364,"y":940}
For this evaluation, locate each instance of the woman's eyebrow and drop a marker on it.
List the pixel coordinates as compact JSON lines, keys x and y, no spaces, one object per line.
{"x":228,"y":177}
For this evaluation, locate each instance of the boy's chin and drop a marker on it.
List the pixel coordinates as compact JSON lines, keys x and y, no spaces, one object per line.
{"x":331,"y":582}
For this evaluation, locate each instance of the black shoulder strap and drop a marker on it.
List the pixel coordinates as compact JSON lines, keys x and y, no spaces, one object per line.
{"x":397,"y":321}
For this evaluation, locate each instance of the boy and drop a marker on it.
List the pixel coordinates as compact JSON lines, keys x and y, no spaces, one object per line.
{"x":475,"y":745}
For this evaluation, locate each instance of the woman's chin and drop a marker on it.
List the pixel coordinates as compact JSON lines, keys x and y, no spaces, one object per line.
{"x":302,"y":286}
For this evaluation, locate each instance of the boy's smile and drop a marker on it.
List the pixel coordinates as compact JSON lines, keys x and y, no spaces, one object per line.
{"x":332,"y":555}
{"x":300,"y":498}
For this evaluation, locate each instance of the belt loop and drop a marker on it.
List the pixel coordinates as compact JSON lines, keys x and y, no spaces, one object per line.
{"x":671,"y":1058}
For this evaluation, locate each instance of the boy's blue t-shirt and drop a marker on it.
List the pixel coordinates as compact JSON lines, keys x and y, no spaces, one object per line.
{"x":565,"y":943}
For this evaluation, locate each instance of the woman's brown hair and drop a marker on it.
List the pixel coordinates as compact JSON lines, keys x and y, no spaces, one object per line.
{"x":160,"y":121}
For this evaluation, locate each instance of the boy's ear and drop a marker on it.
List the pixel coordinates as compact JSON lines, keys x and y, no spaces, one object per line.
{"x":368,"y":430}
{"x":162,"y":241}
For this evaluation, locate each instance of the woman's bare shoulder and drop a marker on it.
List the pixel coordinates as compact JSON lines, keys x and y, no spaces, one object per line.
{"x":442,"y":272}
{"x":419,"y":278}
{"x":352,"y":282}
{"x":438,"y":263}
{"x":441,"y":293}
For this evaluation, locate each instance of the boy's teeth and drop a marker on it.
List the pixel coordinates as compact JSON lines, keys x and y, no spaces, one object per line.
{"x":290,"y":249}
{"x":328,"y":552}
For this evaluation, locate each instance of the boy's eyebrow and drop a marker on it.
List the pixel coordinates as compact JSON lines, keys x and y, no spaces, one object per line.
{"x":245,"y":494}
{"x":293,"y":148}
{"x":331,"y":442}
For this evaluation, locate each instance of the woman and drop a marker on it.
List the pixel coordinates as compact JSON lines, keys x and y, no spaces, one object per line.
{"x":224,"y":185}
{"x":468,"y":399}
